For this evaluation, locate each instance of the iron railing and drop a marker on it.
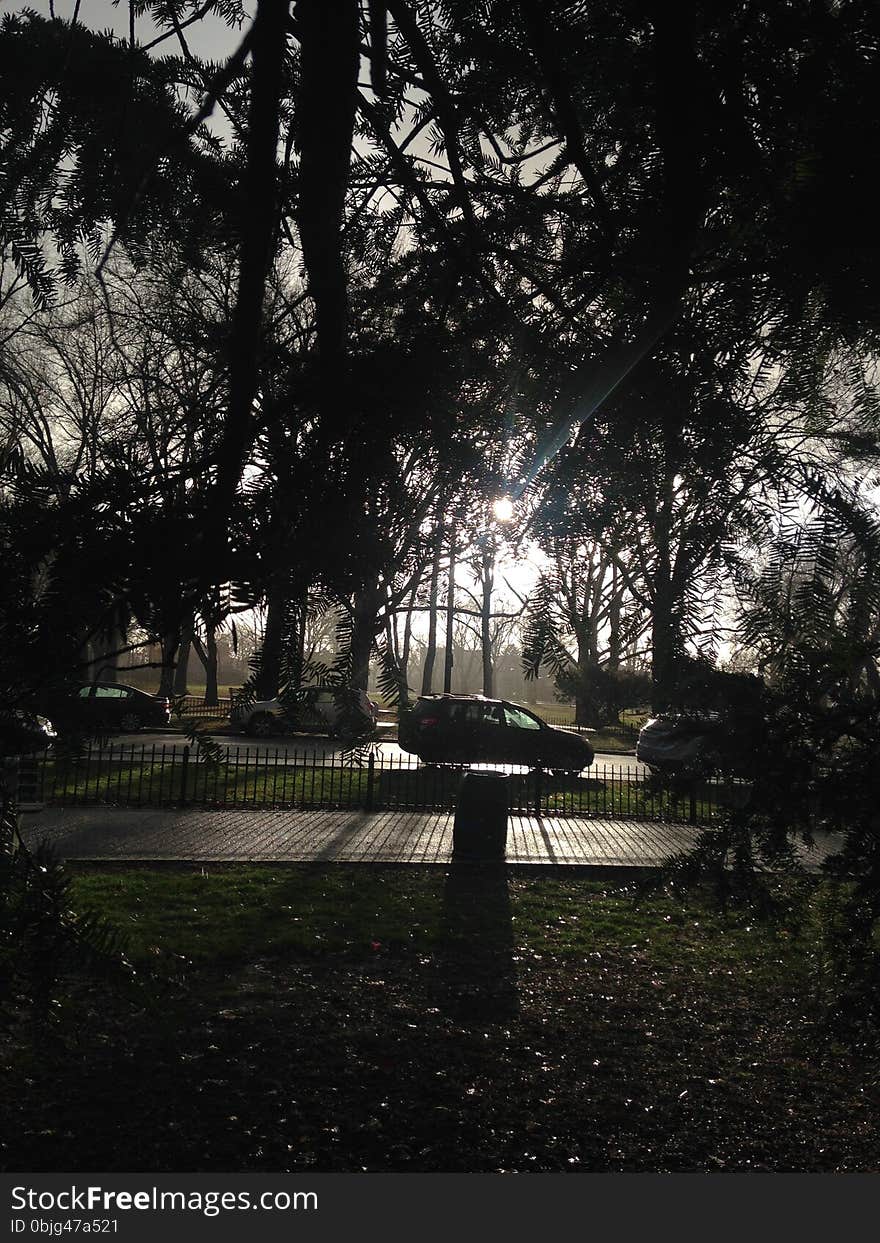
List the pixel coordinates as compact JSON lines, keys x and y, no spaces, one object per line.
{"x":149,"y":775}
{"x":622,"y":729}
{"x":193,"y":706}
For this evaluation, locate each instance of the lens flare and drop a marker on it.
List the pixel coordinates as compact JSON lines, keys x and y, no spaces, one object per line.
{"x":503,"y":509}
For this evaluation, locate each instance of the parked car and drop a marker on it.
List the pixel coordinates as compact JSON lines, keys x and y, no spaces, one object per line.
{"x":684,"y":745}
{"x":318,"y":712}
{"x":470,"y":729}
{"x":24,"y":733}
{"x":112,"y":706}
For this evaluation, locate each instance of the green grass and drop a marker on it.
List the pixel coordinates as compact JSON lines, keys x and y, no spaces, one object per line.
{"x":377,"y":1018}
{"x":220,"y":916}
{"x":159,"y":783}
{"x":605,"y":740}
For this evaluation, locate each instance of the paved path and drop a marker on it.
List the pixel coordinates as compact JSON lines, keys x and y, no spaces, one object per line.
{"x":109,"y":833}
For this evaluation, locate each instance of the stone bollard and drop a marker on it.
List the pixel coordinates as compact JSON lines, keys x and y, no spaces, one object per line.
{"x":480,"y":830}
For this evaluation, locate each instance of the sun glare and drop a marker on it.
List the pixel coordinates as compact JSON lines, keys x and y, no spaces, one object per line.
{"x":503,"y":509}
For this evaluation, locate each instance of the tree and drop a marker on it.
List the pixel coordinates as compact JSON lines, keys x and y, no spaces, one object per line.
{"x":807,"y":740}
{"x":575,"y":628}
{"x":94,"y":134}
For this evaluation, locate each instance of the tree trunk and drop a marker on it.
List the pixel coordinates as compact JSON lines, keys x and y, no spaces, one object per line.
{"x":207,"y":654}
{"x":663,"y":645}
{"x":614,"y":614}
{"x":269,"y":675}
{"x":614,"y":606}
{"x":169,"y":644}
{"x":664,"y":639}
{"x":448,"y":657}
{"x":302,"y":618}
{"x":404,"y":654}
{"x":105,"y":648}
{"x":181,"y":673}
{"x":391,"y":647}
{"x":211,"y":697}
{"x":363,"y":633}
{"x":431,"y":649}
{"x":582,"y":714}
{"x":595,"y":607}
{"x":488,"y":577}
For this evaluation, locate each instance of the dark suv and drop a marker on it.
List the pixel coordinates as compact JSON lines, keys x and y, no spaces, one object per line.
{"x":468,"y":729}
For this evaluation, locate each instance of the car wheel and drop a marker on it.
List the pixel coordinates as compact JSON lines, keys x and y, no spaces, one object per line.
{"x":262,"y":725}
{"x":129,"y":722}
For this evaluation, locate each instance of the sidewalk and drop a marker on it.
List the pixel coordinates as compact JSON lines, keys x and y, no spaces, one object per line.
{"x":271,"y":836}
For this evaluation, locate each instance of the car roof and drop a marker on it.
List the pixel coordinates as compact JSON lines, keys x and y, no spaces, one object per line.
{"x":122,"y":686}
{"x":482,"y":699}
{"x":461,"y":698}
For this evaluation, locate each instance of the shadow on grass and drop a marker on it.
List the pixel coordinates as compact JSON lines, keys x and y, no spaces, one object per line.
{"x":476,"y":977}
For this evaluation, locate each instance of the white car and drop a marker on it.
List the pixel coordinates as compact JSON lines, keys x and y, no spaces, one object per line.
{"x":318,"y":712}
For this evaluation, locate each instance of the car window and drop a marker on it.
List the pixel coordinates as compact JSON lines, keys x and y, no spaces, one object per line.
{"x":491,"y":714}
{"x":519,"y":719}
{"x":85,"y":692}
{"x":111,"y":692}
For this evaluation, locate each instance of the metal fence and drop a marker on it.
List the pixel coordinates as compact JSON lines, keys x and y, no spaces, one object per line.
{"x":623,"y":730}
{"x":193,"y":706}
{"x":181,"y":775}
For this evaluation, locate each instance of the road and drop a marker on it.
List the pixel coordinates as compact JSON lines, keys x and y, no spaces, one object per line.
{"x":308,"y":745}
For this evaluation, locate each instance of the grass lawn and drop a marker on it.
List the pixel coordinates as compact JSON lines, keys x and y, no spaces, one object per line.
{"x":405,"y":1019}
{"x":606,"y":740}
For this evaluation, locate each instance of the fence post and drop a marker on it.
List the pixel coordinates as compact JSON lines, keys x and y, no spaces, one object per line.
{"x":693,"y":804}
{"x":371,"y":765}
{"x":539,"y":791}
{"x":184,"y":772}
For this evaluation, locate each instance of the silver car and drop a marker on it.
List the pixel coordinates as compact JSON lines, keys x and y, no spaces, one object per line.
{"x":682,"y":745}
{"x":318,"y":713}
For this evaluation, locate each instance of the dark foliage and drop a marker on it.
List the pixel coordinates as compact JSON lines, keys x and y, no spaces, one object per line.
{"x":601,"y":694}
{"x":93,"y":134}
{"x":41,"y":936}
{"x":807,"y":745}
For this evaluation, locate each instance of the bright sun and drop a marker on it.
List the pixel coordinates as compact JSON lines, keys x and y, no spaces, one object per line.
{"x":503,"y":509}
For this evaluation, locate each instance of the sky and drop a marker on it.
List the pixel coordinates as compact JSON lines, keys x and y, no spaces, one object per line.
{"x":210,"y":38}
